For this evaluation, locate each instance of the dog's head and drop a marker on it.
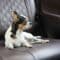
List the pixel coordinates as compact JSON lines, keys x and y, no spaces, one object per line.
{"x":20,"y":22}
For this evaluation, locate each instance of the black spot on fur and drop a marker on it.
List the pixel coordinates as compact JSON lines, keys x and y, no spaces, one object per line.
{"x":15,"y":26}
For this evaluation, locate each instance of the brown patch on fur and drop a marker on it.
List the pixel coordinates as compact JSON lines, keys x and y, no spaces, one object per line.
{"x":22,"y":26}
{"x":15,"y":16}
{"x":24,"y":23}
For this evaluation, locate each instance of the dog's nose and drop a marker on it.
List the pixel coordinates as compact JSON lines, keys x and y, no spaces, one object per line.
{"x":30,"y":23}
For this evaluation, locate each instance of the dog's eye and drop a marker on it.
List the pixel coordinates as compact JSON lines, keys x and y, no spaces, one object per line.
{"x":24,"y":23}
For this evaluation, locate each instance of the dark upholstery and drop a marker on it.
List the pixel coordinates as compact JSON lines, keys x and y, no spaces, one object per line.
{"x":50,"y":10}
{"x":44,"y":14}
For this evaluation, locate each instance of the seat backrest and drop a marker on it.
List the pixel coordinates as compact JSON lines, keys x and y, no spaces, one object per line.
{"x":25,"y":7}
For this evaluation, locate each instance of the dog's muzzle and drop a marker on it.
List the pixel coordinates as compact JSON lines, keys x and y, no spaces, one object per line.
{"x":28,"y":25}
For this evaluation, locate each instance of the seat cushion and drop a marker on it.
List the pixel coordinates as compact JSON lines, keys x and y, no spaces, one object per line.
{"x":46,"y":51}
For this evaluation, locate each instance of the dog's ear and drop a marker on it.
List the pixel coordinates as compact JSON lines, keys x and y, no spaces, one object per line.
{"x":15,"y":16}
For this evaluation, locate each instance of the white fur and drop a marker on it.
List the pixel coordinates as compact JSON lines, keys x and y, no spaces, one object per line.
{"x":21,"y":38}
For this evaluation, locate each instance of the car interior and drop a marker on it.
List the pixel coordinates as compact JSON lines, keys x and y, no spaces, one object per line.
{"x":45,"y":17}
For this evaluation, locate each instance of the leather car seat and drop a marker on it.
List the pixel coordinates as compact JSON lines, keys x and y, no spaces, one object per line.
{"x":48,"y":51}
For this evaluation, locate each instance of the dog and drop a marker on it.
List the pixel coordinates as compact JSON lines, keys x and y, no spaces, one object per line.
{"x":16,"y":36}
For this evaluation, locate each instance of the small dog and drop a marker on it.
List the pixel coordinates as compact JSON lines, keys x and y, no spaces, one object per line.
{"x":15,"y":35}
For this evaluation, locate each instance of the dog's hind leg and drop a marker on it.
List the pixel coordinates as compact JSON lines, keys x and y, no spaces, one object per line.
{"x":27,"y":44}
{"x":9,"y":45}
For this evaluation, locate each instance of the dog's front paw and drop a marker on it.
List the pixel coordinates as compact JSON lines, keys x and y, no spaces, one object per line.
{"x":45,"y":41}
{"x":28,"y":46}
